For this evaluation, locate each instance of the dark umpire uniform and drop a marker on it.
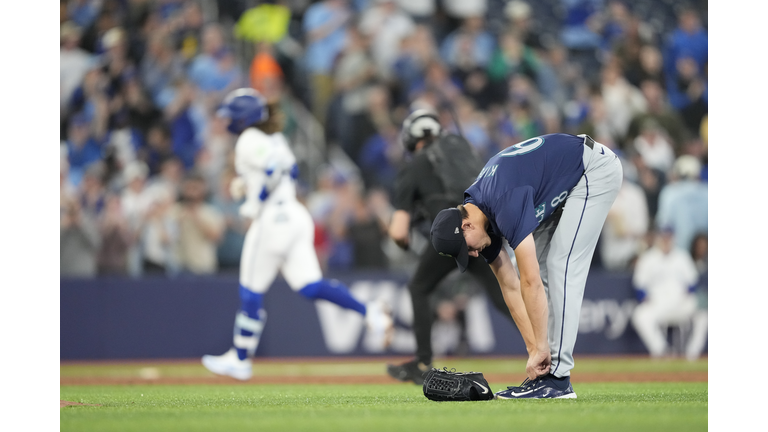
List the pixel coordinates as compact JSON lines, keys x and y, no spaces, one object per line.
{"x":421,"y":193}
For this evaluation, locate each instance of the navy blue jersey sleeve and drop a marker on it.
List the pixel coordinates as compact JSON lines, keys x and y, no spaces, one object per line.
{"x":516,"y":215}
{"x":491,"y":252}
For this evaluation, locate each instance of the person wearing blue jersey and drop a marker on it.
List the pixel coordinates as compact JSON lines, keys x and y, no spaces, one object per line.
{"x":548,"y":197}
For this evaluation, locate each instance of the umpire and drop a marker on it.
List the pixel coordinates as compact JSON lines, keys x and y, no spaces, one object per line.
{"x":420,"y":193}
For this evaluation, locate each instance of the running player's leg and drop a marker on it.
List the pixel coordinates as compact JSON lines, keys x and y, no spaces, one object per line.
{"x":302,"y":272}
{"x":260,"y":261}
{"x":258,"y":267}
{"x":301,"y":268}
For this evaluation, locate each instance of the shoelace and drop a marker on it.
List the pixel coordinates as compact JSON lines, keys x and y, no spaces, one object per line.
{"x":528,"y":383}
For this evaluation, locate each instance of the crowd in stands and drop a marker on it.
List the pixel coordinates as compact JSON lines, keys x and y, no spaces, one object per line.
{"x":146,"y":164}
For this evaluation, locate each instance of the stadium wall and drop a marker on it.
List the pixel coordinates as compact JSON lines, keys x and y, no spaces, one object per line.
{"x":185,"y":317}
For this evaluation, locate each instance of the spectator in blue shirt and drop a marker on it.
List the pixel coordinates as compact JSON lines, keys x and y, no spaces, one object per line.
{"x":324,"y":28}
{"x":683,"y":202}
{"x":83,"y":148}
{"x":686,"y":54}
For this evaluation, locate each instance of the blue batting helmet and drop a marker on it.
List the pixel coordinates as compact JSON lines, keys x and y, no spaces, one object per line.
{"x":243,"y":107}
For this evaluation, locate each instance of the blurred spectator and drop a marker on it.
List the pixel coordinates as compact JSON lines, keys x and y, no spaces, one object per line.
{"x":83,"y":148}
{"x":107,"y":18}
{"x":134,"y":203}
{"x":688,"y":41}
{"x":659,"y":110}
{"x":215,"y":70}
{"x":689,"y":93}
{"x":187,"y":28}
{"x":596,"y":124}
{"x":683,"y":202}
{"x":380,"y":156}
{"x":116,"y":238}
{"x":353,"y":79}
{"x":614,"y":24}
{"x":79,"y":240}
{"x":320,"y":202}
{"x":74,"y":62}
{"x":217,"y":152}
{"x":463,"y":9}
{"x":685,"y":55}
{"x":142,"y":111}
{"x":83,"y":12}
{"x":665,"y":278}
{"x":556,"y":77}
{"x":647,"y":67}
{"x":474,"y":126}
{"x":386,"y":26}
{"x":157,"y":148}
{"x":622,"y":99}
{"x":519,"y":15}
{"x":266,"y":75}
{"x":371,"y":131}
{"x":368,"y":231}
{"x":187,"y":121}
{"x":421,"y":11}
{"x":512,"y":57}
{"x":437,"y":80}
{"x":231,"y":245}
{"x":417,"y":50}
{"x":698,"y":337}
{"x":468,"y":48}
{"x":340,"y":253}
{"x":626,"y":226}
{"x":578,"y":32}
{"x":92,"y":193}
{"x":161,"y":66}
{"x":168,"y":179}
{"x":201,"y":227}
{"x":323,"y":24}
{"x":700,"y":251}
{"x":160,"y":235}
{"x":117,"y":66}
{"x":654,"y":146}
{"x":520,"y":119}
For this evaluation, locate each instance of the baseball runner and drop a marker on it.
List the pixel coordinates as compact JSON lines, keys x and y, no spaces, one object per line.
{"x":420,"y":194}
{"x":281,"y":235}
{"x":548,"y":197}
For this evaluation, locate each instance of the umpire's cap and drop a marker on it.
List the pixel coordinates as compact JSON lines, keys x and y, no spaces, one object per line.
{"x":448,"y":238}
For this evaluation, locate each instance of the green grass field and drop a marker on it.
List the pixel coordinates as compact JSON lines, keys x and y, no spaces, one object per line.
{"x":229,"y":406}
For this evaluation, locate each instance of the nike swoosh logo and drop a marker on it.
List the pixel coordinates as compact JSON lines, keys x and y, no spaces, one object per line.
{"x":485,"y":389}
{"x":602,"y":151}
{"x":521,"y":394}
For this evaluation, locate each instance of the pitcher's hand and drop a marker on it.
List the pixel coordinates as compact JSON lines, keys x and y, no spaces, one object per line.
{"x":539,"y":363}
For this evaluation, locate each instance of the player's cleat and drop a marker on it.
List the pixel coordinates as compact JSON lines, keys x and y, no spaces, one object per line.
{"x":413,"y":370}
{"x":229,"y":364}
{"x":380,"y":324}
{"x":544,"y":387}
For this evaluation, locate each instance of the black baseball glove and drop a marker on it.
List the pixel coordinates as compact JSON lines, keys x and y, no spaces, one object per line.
{"x":449,"y":385}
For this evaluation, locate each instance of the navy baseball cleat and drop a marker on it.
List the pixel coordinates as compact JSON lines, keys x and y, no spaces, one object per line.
{"x":544,"y":387}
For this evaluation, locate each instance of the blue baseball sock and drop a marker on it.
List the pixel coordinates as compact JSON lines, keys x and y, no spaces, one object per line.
{"x":333,"y":291}
{"x":248,"y":323}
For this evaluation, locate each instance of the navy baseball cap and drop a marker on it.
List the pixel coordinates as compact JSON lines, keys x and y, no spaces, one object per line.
{"x":448,"y":238}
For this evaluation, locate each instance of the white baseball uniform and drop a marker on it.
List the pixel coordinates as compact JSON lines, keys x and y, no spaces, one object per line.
{"x":281,"y":234}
